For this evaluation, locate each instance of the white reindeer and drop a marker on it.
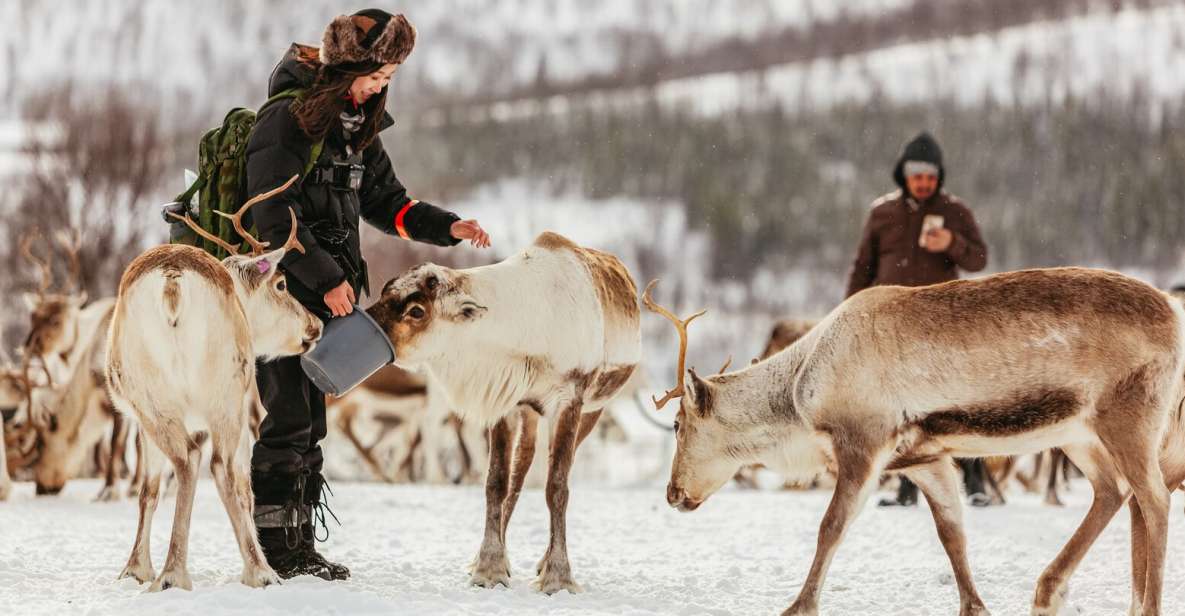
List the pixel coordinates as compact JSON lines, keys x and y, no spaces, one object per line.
{"x":904,"y":379}
{"x":181,"y":358}
{"x":552,"y":332}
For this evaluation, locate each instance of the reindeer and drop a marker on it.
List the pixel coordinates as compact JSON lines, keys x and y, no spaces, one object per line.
{"x":14,"y":388}
{"x":549,"y":334}
{"x":72,"y":412}
{"x":181,"y":359}
{"x":903,"y":379}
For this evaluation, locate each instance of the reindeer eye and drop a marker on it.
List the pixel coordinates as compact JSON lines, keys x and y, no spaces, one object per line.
{"x":416,"y":312}
{"x":432,"y":282}
{"x":676,"y":426}
{"x":282,"y":285}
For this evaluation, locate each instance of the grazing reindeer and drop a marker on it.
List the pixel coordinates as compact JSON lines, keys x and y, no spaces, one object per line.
{"x":903,"y":379}
{"x":58,"y":321}
{"x":13,"y":391}
{"x":80,"y":407}
{"x":181,"y":359}
{"x":67,"y":335}
{"x":549,"y":333}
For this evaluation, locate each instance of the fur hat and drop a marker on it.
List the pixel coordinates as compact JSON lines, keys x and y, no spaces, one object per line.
{"x":372,"y":35}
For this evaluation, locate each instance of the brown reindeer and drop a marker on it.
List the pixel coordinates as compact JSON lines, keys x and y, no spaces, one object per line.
{"x":904,"y":379}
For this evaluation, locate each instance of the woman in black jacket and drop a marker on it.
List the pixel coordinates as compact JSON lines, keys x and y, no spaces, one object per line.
{"x":341,"y":106}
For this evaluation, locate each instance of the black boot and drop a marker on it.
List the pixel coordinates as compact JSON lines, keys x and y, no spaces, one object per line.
{"x":336,"y":571}
{"x":284,"y":522}
{"x":286,"y":553}
{"x":907,"y":495}
{"x":316,"y":508}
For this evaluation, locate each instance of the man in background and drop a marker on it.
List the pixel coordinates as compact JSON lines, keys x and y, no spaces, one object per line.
{"x":920,"y":235}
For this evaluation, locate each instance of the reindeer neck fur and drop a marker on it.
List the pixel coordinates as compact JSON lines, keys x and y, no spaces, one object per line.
{"x":766,"y":424}
{"x":529,"y":338}
{"x":70,"y":401}
{"x":92,"y":322}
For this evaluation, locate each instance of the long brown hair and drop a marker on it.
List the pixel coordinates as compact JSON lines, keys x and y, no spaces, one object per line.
{"x":324,"y":101}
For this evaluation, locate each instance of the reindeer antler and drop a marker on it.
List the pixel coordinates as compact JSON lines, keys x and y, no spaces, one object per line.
{"x":230,"y":249}
{"x":71,"y":242}
{"x":681,"y":327}
{"x":258,"y":247}
{"x":292,"y":243}
{"x":45,"y":265}
{"x":727,"y":363}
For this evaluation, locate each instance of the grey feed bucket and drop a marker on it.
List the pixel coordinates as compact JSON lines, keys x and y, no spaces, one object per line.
{"x":351,"y":348}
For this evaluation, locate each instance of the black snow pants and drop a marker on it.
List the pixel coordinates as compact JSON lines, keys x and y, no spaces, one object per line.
{"x":286,"y":462}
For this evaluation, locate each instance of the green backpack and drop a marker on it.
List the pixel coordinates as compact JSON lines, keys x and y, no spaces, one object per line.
{"x":221,"y":182}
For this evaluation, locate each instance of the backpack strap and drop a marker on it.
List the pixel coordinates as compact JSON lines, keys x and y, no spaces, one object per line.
{"x":315,"y":151}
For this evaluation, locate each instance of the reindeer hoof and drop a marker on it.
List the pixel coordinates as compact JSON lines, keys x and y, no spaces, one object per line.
{"x":974,"y":610}
{"x":798,"y":609}
{"x":550,"y":585}
{"x":260,"y":577}
{"x":554,"y":578}
{"x":5,"y":490}
{"x":171,"y":579}
{"x":490,"y":572}
{"x":109,"y":494}
{"x":1054,"y":601}
{"x":140,"y":573}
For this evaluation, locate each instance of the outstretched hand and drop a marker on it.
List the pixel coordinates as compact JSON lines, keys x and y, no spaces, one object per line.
{"x":472,"y":231}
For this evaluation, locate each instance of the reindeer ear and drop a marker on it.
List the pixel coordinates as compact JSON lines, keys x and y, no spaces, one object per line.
{"x":263,"y":266}
{"x":458,"y":306}
{"x":30,"y":300}
{"x":698,"y":393}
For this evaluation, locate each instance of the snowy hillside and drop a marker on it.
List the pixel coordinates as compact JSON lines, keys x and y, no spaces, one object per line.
{"x":202,"y":51}
{"x":202,"y":56}
{"x":742,"y":553}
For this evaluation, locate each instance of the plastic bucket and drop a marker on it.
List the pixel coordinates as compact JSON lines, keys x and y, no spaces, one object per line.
{"x":351,"y":348}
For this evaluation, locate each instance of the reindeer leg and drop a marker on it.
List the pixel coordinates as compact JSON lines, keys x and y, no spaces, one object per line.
{"x":1141,"y":468}
{"x":524,"y":453}
{"x":860,"y":465}
{"x":587,"y":422}
{"x":1053,"y":585}
{"x":185,"y":457}
{"x":232,"y":475}
{"x":492,"y":567}
{"x":555,"y":572}
{"x":1056,"y":458}
{"x":119,"y":442}
{"x":5,"y":479}
{"x":138,"y":475}
{"x":1139,"y":544}
{"x":151,"y":463}
{"x":940,"y":483}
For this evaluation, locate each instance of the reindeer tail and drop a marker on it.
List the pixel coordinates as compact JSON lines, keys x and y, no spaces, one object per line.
{"x":171,"y":297}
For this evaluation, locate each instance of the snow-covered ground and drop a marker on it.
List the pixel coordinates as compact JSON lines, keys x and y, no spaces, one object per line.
{"x":741,"y":553}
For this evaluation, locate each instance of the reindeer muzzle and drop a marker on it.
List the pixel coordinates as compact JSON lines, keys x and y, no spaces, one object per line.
{"x":677,"y":498}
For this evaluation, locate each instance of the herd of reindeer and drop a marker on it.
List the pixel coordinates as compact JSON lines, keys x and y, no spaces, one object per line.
{"x":1081,"y":367}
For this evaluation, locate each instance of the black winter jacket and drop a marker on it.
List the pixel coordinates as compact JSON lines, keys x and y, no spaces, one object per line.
{"x":327,"y":215}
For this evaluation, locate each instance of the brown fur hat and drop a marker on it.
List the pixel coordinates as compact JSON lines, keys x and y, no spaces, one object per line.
{"x":372,"y":35}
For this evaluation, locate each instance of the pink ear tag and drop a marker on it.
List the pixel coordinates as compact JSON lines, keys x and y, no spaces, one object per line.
{"x":263,"y":266}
